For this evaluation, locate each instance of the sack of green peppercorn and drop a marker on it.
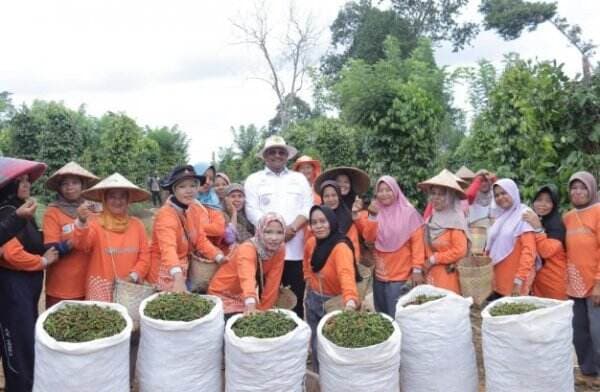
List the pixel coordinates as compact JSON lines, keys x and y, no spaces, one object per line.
{"x":266,"y":351}
{"x":436,"y":334}
{"x":72,"y":338}
{"x":181,"y":343}
{"x":527,"y":344}
{"x":358,"y":351}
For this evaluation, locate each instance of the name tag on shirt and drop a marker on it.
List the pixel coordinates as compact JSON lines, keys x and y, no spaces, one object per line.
{"x":66,"y":229}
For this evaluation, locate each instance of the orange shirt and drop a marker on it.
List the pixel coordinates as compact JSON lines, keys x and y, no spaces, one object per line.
{"x":352,"y":235}
{"x":337,"y":275}
{"x":15,"y":257}
{"x":583,"y":250}
{"x":518,"y":264}
{"x":237,"y":277}
{"x":66,"y":277}
{"x":111,"y":254}
{"x":448,"y":248}
{"x":170,"y":247}
{"x":551,"y":280}
{"x":213,"y":222}
{"x":394,"y":266}
{"x":316,"y":198}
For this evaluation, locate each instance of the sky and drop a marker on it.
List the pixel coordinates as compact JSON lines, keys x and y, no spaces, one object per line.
{"x":181,"y":62}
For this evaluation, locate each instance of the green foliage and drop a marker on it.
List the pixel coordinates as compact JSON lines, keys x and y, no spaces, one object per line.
{"x":511,"y":17}
{"x":264,"y":325}
{"x":83,"y":323}
{"x":509,"y":309}
{"x":423,"y":299}
{"x":178,"y":307}
{"x":240,"y":160}
{"x":357,"y":329}
{"x":172,"y":146}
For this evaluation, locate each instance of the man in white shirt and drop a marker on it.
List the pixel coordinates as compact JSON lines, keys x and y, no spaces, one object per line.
{"x":277,"y":189}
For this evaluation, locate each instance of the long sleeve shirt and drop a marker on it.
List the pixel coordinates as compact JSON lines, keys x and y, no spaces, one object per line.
{"x":10,"y":226}
{"x":287,"y":193}
{"x":551,"y":280}
{"x":519,"y":264}
{"x":448,"y":248}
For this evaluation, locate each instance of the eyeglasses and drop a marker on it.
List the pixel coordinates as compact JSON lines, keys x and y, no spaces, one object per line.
{"x":277,"y":151}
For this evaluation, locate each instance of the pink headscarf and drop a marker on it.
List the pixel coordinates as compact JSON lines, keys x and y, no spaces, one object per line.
{"x":259,"y":235}
{"x":509,"y":224}
{"x":396,"y":222}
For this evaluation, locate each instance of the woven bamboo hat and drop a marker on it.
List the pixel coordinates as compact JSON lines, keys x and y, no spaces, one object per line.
{"x":360,"y":180}
{"x":445,"y":179}
{"x":11,"y":168}
{"x":465,"y":173}
{"x":116,"y":181}
{"x":71,"y":169}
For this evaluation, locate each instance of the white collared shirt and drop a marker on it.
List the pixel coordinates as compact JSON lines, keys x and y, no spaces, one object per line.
{"x":287,"y":193}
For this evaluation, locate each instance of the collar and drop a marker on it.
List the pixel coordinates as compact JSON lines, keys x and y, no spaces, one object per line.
{"x":268,"y":171}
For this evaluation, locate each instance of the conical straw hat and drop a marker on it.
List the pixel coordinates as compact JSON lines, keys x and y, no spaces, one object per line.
{"x":445,"y":179}
{"x":70,"y":169}
{"x":11,"y":168}
{"x":465,"y":173}
{"x":360,"y":180}
{"x":116,"y":181}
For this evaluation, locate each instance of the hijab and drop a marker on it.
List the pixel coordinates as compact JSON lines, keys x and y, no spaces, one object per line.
{"x":509,"y":224}
{"x":116,"y":223}
{"x":552,"y":222}
{"x":396,"y":222}
{"x":342,"y":213}
{"x":451,"y":217}
{"x":325,"y":246}
{"x":483,"y":203}
{"x":68,"y":207}
{"x":210,"y":198}
{"x":258,"y":240}
{"x":349,"y":199}
{"x":590,"y":183}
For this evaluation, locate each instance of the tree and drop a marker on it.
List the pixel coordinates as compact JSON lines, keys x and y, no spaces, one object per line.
{"x":296,"y":111}
{"x":294,"y":57}
{"x":510,"y":17}
{"x":239,"y":160}
{"x":172,"y":144}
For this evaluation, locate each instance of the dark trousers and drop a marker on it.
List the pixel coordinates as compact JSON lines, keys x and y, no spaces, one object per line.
{"x":387,"y":294}
{"x":156,"y":200}
{"x":19,"y":295}
{"x":586,"y":335}
{"x":315,"y":310}
{"x":294,"y":278}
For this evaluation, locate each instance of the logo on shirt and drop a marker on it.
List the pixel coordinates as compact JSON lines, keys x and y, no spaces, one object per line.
{"x":66,"y":229}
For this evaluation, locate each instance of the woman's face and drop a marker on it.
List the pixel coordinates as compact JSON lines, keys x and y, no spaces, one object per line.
{"x":210,"y":177}
{"x":274,"y":235}
{"x":220,"y":185}
{"x":502,"y":198}
{"x":319,"y":224}
{"x":238,"y":199}
{"x":307,"y":169}
{"x":543,"y":204}
{"x":437,"y":197}
{"x":344,"y":183}
{"x":485,"y":186}
{"x":24,"y":188}
{"x":579,"y":194}
{"x":330,"y":198}
{"x":70,"y":188}
{"x":185,"y":191}
{"x":384,"y":194}
{"x":117,"y":201}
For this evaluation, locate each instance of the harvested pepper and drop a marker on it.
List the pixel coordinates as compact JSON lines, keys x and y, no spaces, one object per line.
{"x":83,"y":323}
{"x":357,"y":329}
{"x":422,"y":299}
{"x":512,"y":308}
{"x":264,"y":325}
{"x":178,"y":307}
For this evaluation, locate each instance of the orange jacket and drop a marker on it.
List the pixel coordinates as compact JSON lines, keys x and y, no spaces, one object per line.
{"x":518,"y":264}
{"x":111,"y":255}
{"x":394,"y":266}
{"x":448,"y":248}
{"x":551,"y":280}
{"x":66,"y":277}
{"x":337,"y":275}
{"x":15,"y":257}
{"x":237,"y":277}
{"x":170,"y":247}
{"x":583,"y":250}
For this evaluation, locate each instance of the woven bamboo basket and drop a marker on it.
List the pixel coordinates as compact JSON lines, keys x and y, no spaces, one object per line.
{"x":131,"y":295}
{"x":286,"y":299}
{"x":200,"y":273}
{"x":476,"y":274}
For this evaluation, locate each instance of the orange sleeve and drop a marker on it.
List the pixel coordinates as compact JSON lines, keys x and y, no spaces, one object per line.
{"x":354,"y":238}
{"x":344,"y":265}
{"x":273,"y":281}
{"x":83,"y":237}
{"x":456,"y":251}
{"x":547,"y":247}
{"x":203,"y":244}
{"x":16,"y":256}
{"x":527,"y":256}
{"x":142,"y":266}
{"x":417,"y":248}
{"x":245,"y":261}
{"x":51,"y":227}
{"x":367,"y":227}
{"x":167,"y":228}
{"x":308,"y":249}
{"x":597,"y":232}
{"x":216,"y":227}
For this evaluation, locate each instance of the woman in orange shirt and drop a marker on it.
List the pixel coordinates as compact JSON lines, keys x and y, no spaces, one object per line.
{"x":399,"y":246}
{"x":65,"y":279}
{"x":445,"y":231}
{"x":115,"y":241}
{"x":24,"y":258}
{"x":178,"y":231}
{"x":329,"y":269}
{"x":311,"y":169}
{"x":251,"y":279}
{"x":583,"y":269}
{"x":551,"y":275}
{"x":510,"y":242}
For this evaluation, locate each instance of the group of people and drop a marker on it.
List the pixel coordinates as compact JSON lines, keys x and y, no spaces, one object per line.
{"x":302,"y":228}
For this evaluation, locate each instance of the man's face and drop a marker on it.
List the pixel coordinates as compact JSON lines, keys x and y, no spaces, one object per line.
{"x":276,"y":158}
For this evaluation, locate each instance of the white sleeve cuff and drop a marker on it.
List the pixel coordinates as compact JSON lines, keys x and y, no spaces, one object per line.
{"x":250,"y":301}
{"x":44,"y":262}
{"x":518,"y":281}
{"x":219,"y":258}
{"x":175,"y":270}
{"x":351,"y":304}
{"x":432,"y":259}
{"x":134,"y":276}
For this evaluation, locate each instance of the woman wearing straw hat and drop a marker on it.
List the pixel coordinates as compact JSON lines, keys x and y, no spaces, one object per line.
{"x":445,"y":231}
{"x":65,"y":279}
{"x":352,"y":182}
{"x":24,"y":258}
{"x":311,"y":169}
{"x":115,"y":241}
{"x":255,"y":266}
{"x":178,"y":232}
{"x":399,"y":246}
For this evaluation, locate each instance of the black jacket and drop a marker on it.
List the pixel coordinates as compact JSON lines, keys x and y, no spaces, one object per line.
{"x":10,"y":226}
